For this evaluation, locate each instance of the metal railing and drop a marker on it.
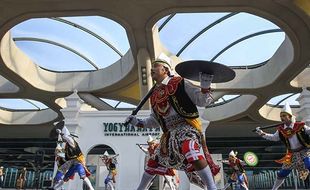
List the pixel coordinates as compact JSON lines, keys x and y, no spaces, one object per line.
{"x":266,"y":179}
{"x":34,"y":180}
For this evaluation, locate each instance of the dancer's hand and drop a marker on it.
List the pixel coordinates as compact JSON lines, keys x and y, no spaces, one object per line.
{"x":205,"y":80}
{"x":132,"y":120}
{"x":259,"y":131}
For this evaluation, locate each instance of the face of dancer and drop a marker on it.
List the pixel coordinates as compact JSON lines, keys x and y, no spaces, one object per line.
{"x":151,"y":144}
{"x":232,"y":158}
{"x":105,"y":159}
{"x":159,"y":72}
{"x":286,"y":118}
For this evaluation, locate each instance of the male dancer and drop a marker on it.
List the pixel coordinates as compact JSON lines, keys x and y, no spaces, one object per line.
{"x":75,"y":162}
{"x":238,"y":174}
{"x":174,"y":109}
{"x":1,"y":176}
{"x":295,"y":136}
{"x":152,"y":164}
{"x":110,"y":162}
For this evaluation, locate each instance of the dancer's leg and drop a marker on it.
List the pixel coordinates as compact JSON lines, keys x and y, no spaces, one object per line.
{"x":146,"y":179}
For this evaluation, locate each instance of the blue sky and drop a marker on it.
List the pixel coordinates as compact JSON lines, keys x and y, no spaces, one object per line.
{"x":255,"y":50}
{"x":58,"y":59}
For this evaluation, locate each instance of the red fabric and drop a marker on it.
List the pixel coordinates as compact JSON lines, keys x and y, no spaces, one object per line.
{"x":71,"y":177}
{"x":234,"y":163}
{"x":215,"y":169}
{"x":287,"y":159}
{"x":190,"y":167}
{"x":151,"y":150}
{"x":87,"y":172}
{"x":160,"y":95}
{"x":152,"y":163}
{"x":154,"y":168}
{"x":191,"y":151}
{"x":287,"y":133}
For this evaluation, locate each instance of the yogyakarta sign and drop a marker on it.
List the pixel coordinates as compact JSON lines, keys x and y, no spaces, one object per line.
{"x":119,"y":129}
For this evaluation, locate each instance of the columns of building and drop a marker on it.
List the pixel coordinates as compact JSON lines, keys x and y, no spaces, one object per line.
{"x":71,"y":112}
{"x":71,"y":115}
{"x":144,"y":71}
{"x":304,"y":101}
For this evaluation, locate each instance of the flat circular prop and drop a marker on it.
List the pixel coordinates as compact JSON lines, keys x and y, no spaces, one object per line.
{"x":191,"y":70}
{"x":250,"y":159}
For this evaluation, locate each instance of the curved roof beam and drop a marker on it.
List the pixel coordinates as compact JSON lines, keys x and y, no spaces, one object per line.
{"x":272,"y":113}
{"x":204,"y":30}
{"x":266,"y":74}
{"x":302,"y":79}
{"x":56,"y":44}
{"x":28,"y":101}
{"x":245,"y":38}
{"x":166,"y":21}
{"x":95,"y":102}
{"x":89,"y":32}
{"x":223,"y":102}
{"x":107,"y":82}
{"x":6,"y":86}
{"x":284,"y":99}
{"x":16,"y":109}
{"x":230,"y":109}
{"x":26,"y":117}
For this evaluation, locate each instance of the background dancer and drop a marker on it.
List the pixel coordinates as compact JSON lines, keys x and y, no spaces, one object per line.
{"x":295,"y":136}
{"x":75,"y":162}
{"x":150,"y":153}
{"x":1,"y":176}
{"x":110,"y":162}
{"x":238,"y":174}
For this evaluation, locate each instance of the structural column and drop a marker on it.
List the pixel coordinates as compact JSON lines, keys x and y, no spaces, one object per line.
{"x":71,"y":115}
{"x":71,"y":112}
{"x":144,"y":69}
{"x":304,"y":101}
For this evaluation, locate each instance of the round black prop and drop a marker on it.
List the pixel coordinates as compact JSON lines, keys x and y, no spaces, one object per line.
{"x":191,"y":70}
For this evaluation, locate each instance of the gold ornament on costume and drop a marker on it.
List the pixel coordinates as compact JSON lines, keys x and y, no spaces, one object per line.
{"x":303,"y":174}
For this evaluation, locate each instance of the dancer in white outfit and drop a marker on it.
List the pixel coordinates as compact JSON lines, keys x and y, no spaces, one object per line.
{"x":295,"y":136}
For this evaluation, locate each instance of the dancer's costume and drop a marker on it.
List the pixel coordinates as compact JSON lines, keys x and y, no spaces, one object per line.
{"x":110,"y":162}
{"x":153,"y":167}
{"x":297,"y":141}
{"x":174,"y":110}
{"x":74,"y":163}
{"x":238,"y":174}
{"x":1,"y":176}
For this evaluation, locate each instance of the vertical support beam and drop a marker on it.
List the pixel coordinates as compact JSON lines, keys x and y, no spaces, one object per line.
{"x":144,"y":72}
{"x":304,"y":101}
{"x":71,"y":114}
